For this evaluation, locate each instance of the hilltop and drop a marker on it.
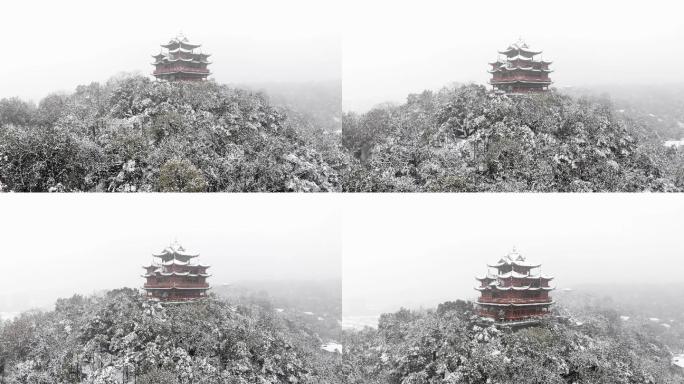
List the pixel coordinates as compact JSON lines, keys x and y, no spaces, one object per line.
{"x":450,"y":345}
{"x":134,"y":134}
{"x":120,"y":337}
{"x":467,"y":138}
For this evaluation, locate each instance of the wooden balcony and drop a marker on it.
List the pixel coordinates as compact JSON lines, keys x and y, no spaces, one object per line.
{"x":486,"y":300}
{"x":183,"y":69}
{"x":177,"y":285}
{"x":506,"y":80}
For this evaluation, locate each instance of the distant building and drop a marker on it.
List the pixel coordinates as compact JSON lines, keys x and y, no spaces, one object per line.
{"x":179,"y":60}
{"x":174,"y":276}
{"x":519,"y":72}
{"x":514,"y":292}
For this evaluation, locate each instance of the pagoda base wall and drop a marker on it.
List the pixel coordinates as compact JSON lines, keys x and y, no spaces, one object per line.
{"x":513,"y":314}
{"x":176,"y":295}
{"x":509,"y":89}
{"x":182,"y":78}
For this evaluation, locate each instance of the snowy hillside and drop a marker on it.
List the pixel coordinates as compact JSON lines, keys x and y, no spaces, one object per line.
{"x":133,"y":134}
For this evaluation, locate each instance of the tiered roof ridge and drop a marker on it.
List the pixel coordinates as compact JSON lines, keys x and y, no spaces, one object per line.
{"x":175,"y":249}
{"x":180,"y":40}
{"x":519,"y":47}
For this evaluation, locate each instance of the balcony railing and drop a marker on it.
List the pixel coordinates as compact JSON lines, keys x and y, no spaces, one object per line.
{"x":519,"y":78}
{"x":170,"y":70}
{"x":514,"y":300}
{"x":177,"y":285}
{"x":514,"y":316}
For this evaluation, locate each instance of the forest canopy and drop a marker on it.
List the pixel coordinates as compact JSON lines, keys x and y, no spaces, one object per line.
{"x":452,"y":345}
{"x":122,"y":337}
{"x":133,"y":134}
{"x":469,"y":139}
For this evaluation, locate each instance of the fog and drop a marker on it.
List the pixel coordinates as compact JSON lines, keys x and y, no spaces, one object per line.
{"x":421,"y":250}
{"x":59,"y":245}
{"x":55,"y":46}
{"x":395,"y":48}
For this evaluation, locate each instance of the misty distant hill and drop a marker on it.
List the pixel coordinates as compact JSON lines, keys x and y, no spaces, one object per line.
{"x":319,"y":101}
{"x":657,"y":109}
{"x":322,"y":297}
{"x":644,"y":301}
{"x":318,"y":304}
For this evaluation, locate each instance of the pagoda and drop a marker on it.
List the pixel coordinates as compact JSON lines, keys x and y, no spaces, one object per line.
{"x":519,"y":72}
{"x":175,"y":276}
{"x":515,"y":292}
{"x":178,"y":60}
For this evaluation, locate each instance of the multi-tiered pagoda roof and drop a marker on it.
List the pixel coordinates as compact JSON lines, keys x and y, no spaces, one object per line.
{"x":519,"y":72}
{"x":179,"y":60}
{"x":174,"y":275}
{"x":516,"y":291}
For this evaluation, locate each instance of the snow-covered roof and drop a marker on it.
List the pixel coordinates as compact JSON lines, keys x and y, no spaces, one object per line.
{"x":512,"y":274}
{"x":174,"y":250}
{"x":527,"y":58}
{"x":513,"y":288}
{"x":188,"y":274}
{"x":176,"y":262}
{"x":182,"y":41}
{"x":190,"y":51}
{"x":511,"y":68}
{"x":514,"y":258}
{"x":519,"y":47}
{"x":520,"y":57}
{"x":518,"y":275}
{"x":188,"y":60}
{"x":516,"y":304}
{"x":180,"y":49}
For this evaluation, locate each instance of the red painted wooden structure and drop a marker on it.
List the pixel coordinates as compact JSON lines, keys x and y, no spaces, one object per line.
{"x":174,"y":276}
{"x":179,"y":60}
{"x":515,"y":292}
{"x":519,"y":71}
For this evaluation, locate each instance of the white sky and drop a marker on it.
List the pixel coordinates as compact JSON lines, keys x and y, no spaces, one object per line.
{"x":412,"y":250}
{"x":58,"y":245}
{"x":395,"y":47}
{"x":54,"y":46}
